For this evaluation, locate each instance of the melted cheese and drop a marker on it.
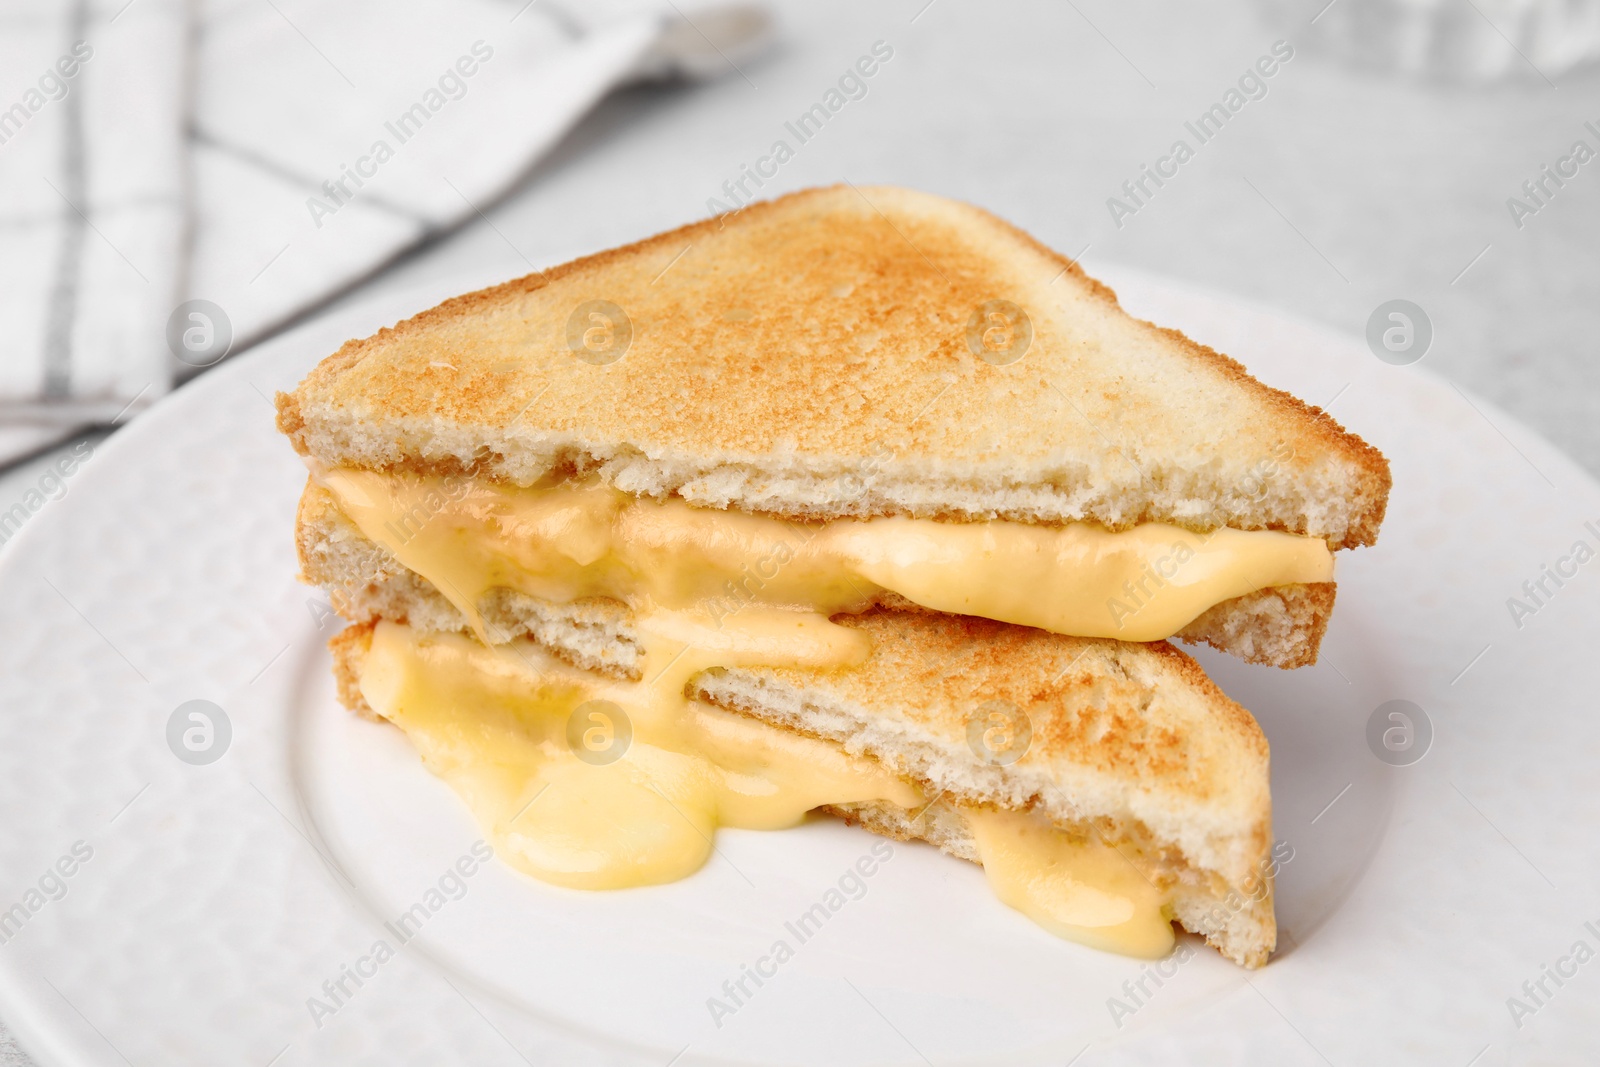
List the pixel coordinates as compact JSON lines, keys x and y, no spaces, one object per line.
{"x":496,"y":724}
{"x":718,"y":589}
{"x":578,"y":539}
{"x":1083,"y":890}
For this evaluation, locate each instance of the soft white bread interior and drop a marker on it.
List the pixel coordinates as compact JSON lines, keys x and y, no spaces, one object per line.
{"x":840,"y":352}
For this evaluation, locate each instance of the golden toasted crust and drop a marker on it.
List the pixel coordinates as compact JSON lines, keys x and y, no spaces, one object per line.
{"x":349,"y":647}
{"x":1114,"y":705}
{"x":810,"y":358}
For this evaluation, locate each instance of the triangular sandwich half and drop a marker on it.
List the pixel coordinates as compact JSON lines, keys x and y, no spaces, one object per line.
{"x":838,"y":400}
{"x":1108,"y":788}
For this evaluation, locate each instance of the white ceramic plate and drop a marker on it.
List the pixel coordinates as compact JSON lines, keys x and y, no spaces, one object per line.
{"x":216,"y":900}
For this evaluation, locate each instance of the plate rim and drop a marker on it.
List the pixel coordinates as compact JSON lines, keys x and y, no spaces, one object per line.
{"x":28,"y":1014}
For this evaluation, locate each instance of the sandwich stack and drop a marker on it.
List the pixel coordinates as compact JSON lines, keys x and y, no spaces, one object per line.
{"x":858,"y":502}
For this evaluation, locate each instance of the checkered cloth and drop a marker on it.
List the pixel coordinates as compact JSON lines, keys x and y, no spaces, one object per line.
{"x":178,"y":179}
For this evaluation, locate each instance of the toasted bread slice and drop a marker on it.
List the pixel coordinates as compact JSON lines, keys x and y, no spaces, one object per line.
{"x":1131,"y":744}
{"x":840,"y":353}
{"x":1281,"y":626}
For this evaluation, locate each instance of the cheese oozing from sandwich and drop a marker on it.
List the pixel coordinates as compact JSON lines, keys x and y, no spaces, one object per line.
{"x":590,"y":783}
{"x":575,"y":539}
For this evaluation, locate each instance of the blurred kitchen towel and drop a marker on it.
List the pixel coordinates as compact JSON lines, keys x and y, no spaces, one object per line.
{"x":177,"y":178}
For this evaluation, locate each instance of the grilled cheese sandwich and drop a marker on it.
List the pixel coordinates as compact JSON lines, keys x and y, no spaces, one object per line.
{"x":639,"y":802}
{"x":719,"y":579}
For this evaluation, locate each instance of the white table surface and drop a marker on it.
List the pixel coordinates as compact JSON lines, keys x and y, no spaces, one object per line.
{"x":1336,"y":192}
